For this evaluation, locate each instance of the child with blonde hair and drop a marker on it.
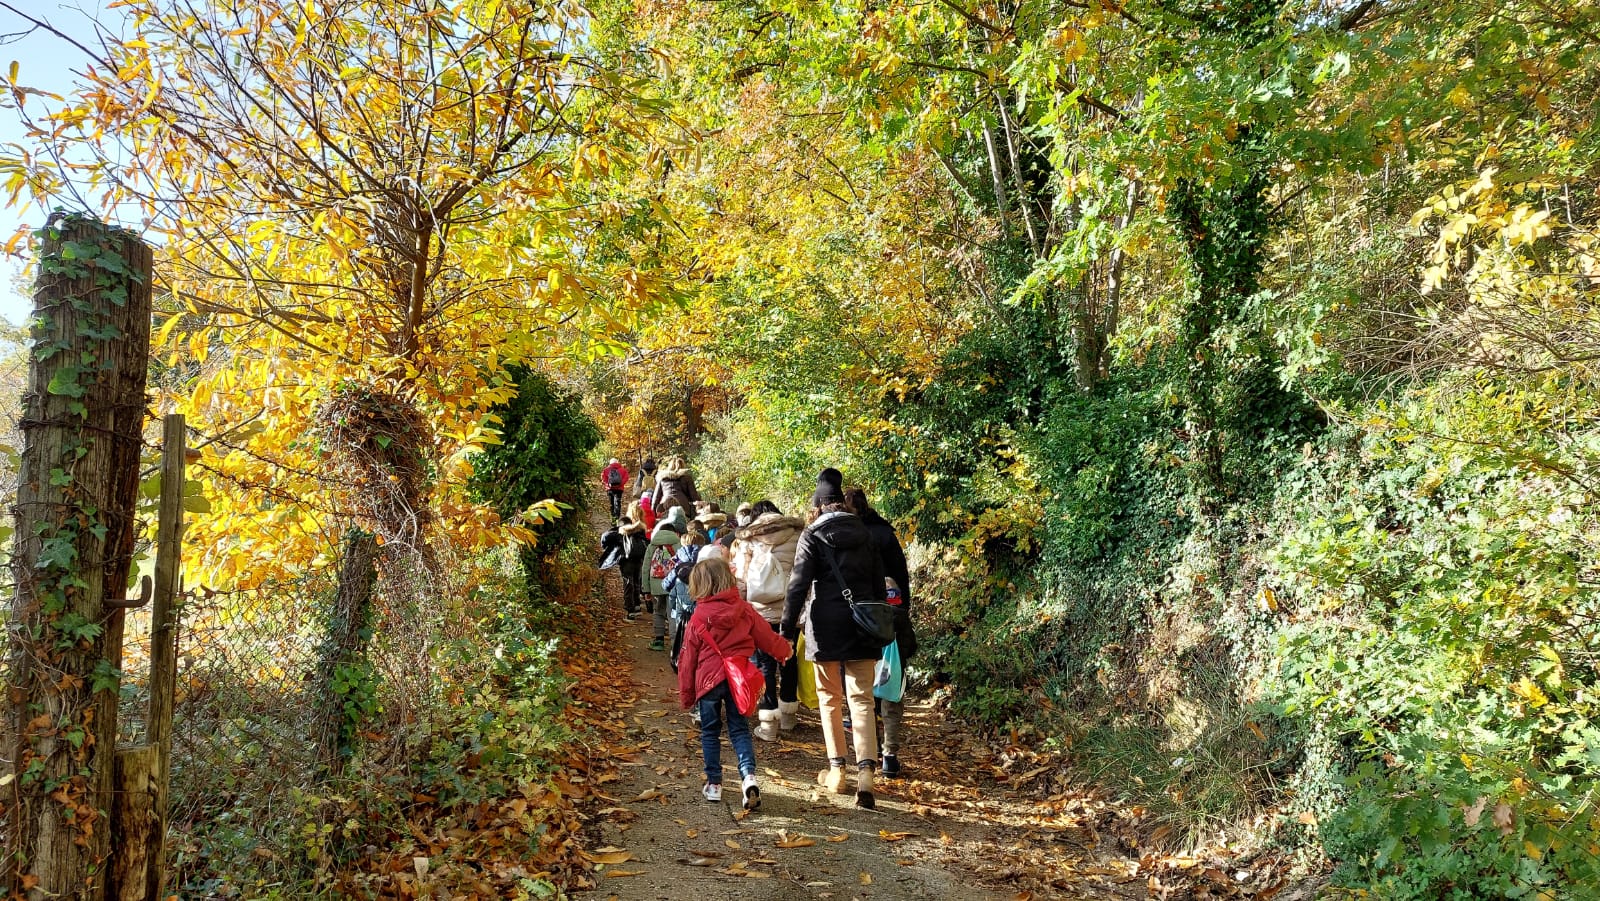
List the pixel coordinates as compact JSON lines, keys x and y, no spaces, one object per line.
{"x":723,"y":627}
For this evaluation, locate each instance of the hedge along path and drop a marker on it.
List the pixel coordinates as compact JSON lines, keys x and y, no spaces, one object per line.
{"x":973,"y":823}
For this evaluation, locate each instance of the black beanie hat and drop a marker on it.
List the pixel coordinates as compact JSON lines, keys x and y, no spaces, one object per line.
{"x":830,"y":488}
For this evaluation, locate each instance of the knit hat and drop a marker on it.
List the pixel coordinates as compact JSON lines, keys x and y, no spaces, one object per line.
{"x":830,"y":488}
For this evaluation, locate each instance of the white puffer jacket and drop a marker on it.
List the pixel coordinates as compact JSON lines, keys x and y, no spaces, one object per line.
{"x":773,"y":537}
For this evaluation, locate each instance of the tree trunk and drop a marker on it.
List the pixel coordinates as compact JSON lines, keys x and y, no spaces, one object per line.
{"x":344,"y":654}
{"x":82,"y":425}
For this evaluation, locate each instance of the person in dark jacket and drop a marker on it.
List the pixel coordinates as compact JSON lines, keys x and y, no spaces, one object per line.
{"x":892,"y":713}
{"x":611,"y":546}
{"x":837,"y":547}
{"x":634,"y":544}
{"x":645,"y":481}
{"x":674,"y":488}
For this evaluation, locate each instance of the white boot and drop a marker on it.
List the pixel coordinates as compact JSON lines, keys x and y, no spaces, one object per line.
{"x":768,"y":728}
{"x":788,"y":715}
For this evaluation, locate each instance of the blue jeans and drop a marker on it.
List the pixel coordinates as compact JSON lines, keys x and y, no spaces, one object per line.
{"x":712,"y":704}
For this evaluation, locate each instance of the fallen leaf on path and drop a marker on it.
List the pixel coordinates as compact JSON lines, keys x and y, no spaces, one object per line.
{"x":697,"y":861}
{"x":607,"y":856}
{"x":785,"y":840}
{"x":692,"y":833}
{"x":648,"y":794}
{"x":866,"y":878}
{"x":618,"y":873}
{"x":888,"y":836}
{"x":839,"y":837}
{"x":731,"y":843}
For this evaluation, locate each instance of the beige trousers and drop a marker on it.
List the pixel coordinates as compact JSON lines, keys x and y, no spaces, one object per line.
{"x":841,"y":683}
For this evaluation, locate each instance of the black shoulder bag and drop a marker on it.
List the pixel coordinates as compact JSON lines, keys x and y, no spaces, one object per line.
{"x":874,"y":618}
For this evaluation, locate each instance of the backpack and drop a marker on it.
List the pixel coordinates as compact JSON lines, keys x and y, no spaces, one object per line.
{"x":614,"y":477}
{"x":660,"y":561}
{"x":767,"y":581}
{"x":684,"y":567}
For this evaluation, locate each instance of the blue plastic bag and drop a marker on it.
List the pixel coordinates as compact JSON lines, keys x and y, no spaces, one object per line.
{"x":889,"y":680}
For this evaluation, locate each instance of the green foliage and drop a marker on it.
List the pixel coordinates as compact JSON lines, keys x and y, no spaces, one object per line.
{"x":543,"y":454}
{"x":505,"y":720}
{"x":1462,"y":683}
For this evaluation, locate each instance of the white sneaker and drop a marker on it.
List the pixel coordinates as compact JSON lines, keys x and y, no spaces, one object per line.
{"x":752,"y":792}
{"x":712,"y":792}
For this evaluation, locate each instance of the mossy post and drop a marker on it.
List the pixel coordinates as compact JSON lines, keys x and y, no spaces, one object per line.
{"x":82,"y":427}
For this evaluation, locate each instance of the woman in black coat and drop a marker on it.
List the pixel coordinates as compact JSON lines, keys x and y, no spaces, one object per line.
{"x":894,"y":567}
{"x":837,"y":547}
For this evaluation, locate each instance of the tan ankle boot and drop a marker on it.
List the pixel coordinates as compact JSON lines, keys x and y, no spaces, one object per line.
{"x":835,"y":780}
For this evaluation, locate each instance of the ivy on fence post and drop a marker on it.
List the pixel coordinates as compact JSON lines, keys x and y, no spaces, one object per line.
{"x":82,"y":427}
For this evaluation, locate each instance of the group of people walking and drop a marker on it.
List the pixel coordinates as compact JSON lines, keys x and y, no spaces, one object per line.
{"x":728,"y":594}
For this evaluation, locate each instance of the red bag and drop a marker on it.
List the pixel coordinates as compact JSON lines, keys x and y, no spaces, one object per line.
{"x":745,"y":682}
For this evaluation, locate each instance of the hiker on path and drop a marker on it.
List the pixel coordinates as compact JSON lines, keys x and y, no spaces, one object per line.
{"x":835,"y":554}
{"x":680,"y":604}
{"x":645,"y":483}
{"x":634,"y":545}
{"x":723,"y":628}
{"x":894,"y":568}
{"x":721,"y":537}
{"x":763,"y":558}
{"x":657,"y":563}
{"x":674,"y":488}
{"x":615,"y":479}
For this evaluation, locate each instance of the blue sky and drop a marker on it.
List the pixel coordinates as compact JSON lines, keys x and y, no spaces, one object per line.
{"x":45,"y":62}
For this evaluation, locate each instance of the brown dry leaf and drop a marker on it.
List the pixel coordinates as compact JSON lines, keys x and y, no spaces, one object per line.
{"x":839,"y":837}
{"x":697,"y":861}
{"x":1503,"y":817}
{"x":1307,"y":817}
{"x":607,"y":856}
{"x":888,"y":836}
{"x":785,"y":840}
{"x":692,"y":833}
{"x":1475,"y":812}
{"x":731,"y":843}
{"x":866,"y":878}
{"x":618,"y":873}
{"x":1031,"y":774}
{"x":648,"y":795}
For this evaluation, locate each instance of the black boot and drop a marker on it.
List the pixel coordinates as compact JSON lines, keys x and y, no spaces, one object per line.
{"x":891,"y":766}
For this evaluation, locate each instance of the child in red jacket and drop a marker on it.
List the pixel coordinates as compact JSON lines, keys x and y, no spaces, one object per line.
{"x":721,"y":617}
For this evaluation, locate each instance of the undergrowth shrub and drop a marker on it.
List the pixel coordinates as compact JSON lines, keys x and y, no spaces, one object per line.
{"x":1442,"y":638}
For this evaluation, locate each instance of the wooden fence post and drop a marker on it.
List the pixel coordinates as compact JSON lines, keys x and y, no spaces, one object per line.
{"x":164,"y":632}
{"x":82,"y":427}
{"x":144,"y":773}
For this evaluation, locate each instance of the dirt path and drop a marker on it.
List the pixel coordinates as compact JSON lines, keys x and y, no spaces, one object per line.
{"x":963,"y":826}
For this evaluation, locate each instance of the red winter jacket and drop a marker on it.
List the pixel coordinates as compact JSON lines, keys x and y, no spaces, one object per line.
{"x":605,"y":481}
{"x":738,"y":631}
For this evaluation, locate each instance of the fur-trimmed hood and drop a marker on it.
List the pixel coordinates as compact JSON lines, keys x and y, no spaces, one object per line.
{"x":667,"y":472}
{"x":633,"y":528}
{"x":772,"y":528}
